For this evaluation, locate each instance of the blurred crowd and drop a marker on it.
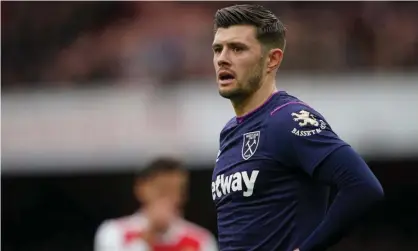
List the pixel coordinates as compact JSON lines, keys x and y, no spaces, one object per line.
{"x":70,"y":44}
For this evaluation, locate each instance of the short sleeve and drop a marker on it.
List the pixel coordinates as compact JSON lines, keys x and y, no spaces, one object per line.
{"x":301,"y":137}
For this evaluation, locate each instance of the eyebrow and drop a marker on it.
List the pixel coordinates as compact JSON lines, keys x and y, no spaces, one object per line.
{"x":217,"y":45}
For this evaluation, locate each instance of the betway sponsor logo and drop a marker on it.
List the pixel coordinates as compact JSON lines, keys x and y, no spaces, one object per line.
{"x":239,"y":181}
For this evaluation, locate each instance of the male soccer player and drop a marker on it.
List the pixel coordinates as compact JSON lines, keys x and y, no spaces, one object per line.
{"x":158,"y":226}
{"x":278,"y":156}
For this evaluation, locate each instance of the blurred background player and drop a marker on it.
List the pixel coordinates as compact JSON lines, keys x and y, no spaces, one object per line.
{"x":158,"y":225}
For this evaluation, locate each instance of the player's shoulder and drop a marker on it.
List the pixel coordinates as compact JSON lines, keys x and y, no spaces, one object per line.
{"x":195,"y":230}
{"x":229,"y":124}
{"x":203,"y":237}
{"x":289,"y":108}
{"x":114,"y":228}
{"x":107,"y":232}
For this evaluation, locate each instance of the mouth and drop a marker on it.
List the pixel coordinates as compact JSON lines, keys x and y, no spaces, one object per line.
{"x":225,"y":78}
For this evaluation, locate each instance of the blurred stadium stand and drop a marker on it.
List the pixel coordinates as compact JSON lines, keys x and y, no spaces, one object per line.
{"x":91,"y":91}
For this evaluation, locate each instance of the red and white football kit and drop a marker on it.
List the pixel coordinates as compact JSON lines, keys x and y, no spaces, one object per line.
{"x":125,"y":234}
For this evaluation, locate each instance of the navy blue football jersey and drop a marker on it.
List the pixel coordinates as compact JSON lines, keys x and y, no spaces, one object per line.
{"x":262,"y":183}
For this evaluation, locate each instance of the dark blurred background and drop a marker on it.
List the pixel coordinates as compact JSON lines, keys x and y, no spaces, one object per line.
{"x":91,"y":91}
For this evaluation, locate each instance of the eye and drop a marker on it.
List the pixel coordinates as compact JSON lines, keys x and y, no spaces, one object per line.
{"x":237,"y":49}
{"x":217,"y":50}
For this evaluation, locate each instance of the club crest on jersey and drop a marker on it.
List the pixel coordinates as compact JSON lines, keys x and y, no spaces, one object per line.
{"x":305,"y":118}
{"x":250,"y":144}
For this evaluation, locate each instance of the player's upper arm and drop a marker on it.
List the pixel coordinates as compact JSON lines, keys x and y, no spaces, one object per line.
{"x":107,"y":237}
{"x":301,"y":136}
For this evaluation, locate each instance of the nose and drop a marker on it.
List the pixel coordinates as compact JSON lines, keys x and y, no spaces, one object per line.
{"x":223,"y":59}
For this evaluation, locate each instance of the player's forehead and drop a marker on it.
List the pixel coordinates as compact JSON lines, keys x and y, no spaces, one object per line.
{"x":237,"y":33}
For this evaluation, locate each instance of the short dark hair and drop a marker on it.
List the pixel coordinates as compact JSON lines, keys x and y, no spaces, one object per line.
{"x":159,"y":165}
{"x":271,"y":32}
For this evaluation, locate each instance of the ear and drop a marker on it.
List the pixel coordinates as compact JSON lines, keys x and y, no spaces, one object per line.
{"x":275,"y":57}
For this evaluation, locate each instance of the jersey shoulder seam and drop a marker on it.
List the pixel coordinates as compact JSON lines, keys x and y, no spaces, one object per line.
{"x":291,"y":103}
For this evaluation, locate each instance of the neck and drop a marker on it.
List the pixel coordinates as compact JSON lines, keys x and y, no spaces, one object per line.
{"x":255,"y":100}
